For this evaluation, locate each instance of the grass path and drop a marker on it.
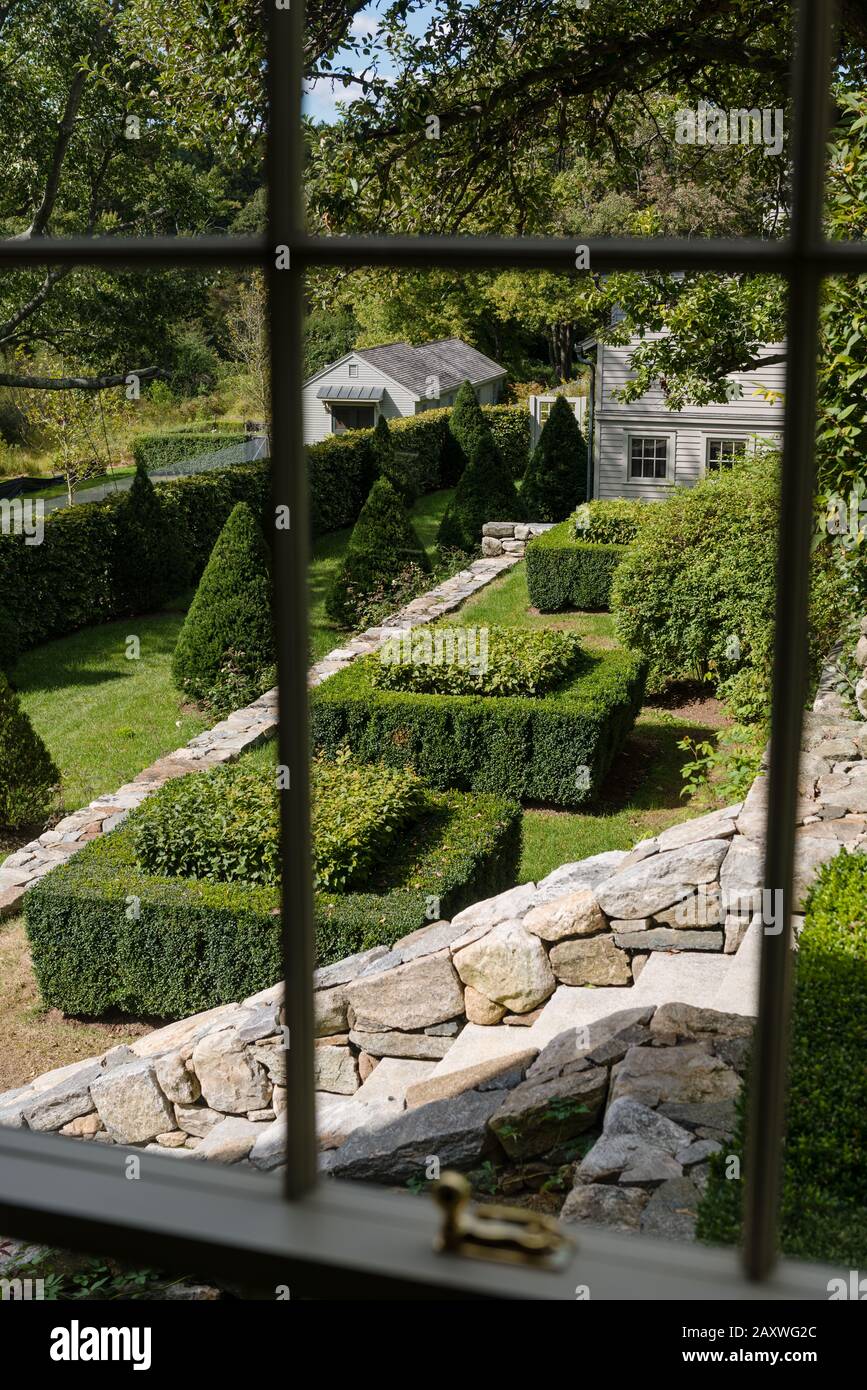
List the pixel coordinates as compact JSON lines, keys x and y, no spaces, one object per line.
{"x":642,"y":790}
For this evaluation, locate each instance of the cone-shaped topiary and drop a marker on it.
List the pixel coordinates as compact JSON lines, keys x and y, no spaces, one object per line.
{"x":486,"y":492}
{"x":150,"y":564}
{"x":230,"y":616}
{"x":382,"y":545}
{"x":465,"y":426}
{"x":556,"y":479}
{"x":28,"y":776}
{"x":385,"y":457}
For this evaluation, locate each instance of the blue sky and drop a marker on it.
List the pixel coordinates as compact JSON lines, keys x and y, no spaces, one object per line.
{"x":321,"y":97}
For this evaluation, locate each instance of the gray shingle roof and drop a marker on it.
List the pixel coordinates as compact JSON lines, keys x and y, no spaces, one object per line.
{"x":451,"y":359}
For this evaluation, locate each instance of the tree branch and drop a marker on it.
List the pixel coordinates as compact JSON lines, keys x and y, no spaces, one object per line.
{"x":52,"y":184}
{"x":79,"y":383}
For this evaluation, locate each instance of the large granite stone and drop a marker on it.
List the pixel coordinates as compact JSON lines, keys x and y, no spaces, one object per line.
{"x":585,"y":873}
{"x":574,"y":914}
{"x":598,"y":1204}
{"x":662,"y":1075}
{"x":396,"y":1044}
{"x":230,"y":1077}
{"x":592,"y":960}
{"x":455,"y":1131}
{"x":335,"y":1069}
{"x":422,"y":992}
{"x":541,"y":1115}
{"x":131,"y":1104}
{"x":509,"y":966}
{"x":661,"y":880}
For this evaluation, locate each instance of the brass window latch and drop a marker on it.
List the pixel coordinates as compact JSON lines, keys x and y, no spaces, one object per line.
{"x":509,"y":1235}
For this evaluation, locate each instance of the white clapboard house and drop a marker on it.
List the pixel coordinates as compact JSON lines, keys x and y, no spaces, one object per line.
{"x":643,"y":449}
{"x":395,"y":380}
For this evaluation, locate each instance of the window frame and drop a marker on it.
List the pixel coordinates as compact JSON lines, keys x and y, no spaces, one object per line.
{"x":670,"y":439}
{"x":709,"y":437}
{"x":333,"y":1236}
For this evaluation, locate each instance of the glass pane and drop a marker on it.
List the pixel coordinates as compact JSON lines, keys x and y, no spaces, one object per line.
{"x":568,"y":119}
{"x":139,"y":714}
{"x":568,"y":1025}
{"x":119,"y":132}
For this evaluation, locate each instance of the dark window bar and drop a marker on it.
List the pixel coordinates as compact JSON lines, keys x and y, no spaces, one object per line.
{"x":343,"y":1239}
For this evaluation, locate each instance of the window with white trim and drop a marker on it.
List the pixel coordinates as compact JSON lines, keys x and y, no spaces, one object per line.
{"x":724,"y":453}
{"x":648,"y":457}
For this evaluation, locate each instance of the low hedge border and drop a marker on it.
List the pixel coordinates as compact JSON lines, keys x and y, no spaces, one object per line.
{"x":824,"y":1205}
{"x":155,"y":451}
{"x":564,"y":572}
{"x":105,"y":935}
{"x":555,"y":748}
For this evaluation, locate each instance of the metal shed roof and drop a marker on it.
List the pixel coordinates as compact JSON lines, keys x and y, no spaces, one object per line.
{"x":350,"y":393}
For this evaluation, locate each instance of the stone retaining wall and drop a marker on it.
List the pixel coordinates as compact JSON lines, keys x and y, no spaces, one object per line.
{"x":510,"y":537}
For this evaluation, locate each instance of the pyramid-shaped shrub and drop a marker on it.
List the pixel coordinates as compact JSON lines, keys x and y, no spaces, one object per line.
{"x":556,"y":479}
{"x":486,"y":492}
{"x":150,"y":563}
{"x":464,"y":428}
{"x":230,"y":616}
{"x":386,"y":464}
{"x":28,"y":776}
{"x":383,"y":544}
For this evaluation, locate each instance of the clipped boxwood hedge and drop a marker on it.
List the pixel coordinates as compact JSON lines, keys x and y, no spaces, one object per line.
{"x":154,"y":451}
{"x":75,"y":577}
{"x":342,"y":467}
{"x":824,"y":1203}
{"x":554,"y":748}
{"x":104,"y":935}
{"x":564,"y":572}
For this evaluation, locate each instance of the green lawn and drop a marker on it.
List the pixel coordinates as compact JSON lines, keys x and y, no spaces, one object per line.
{"x":642,"y":791}
{"x":101,"y":480}
{"x":328,"y":552}
{"x":105,"y":717}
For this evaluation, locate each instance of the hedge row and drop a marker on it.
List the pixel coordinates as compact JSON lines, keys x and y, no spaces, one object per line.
{"x":555,"y":748}
{"x":341,"y":468}
{"x":824,"y":1205}
{"x":564,"y":572}
{"x":104,"y":935}
{"x":156,"y":451}
{"x":73,"y":579}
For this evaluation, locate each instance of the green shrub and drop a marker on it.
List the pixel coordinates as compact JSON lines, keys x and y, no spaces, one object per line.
{"x":386,"y":462}
{"x":105,"y":936}
{"x":510,"y":427}
{"x":824,"y":1204}
{"x":151,"y":564}
{"x":10,"y":640}
{"x":382,"y":544}
{"x":342,"y":468}
{"x":554,"y":748}
{"x":556,"y":477}
{"x":231,"y":611}
{"x":485,"y":492}
{"x":28,"y":776}
{"x":696,"y":591}
{"x":609,"y":520}
{"x":563,"y":572}
{"x":155,"y":451}
{"x":465,"y":427}
{"x":224,"y":825}
{"x":72,"y":579}
{"x":493,"y":661}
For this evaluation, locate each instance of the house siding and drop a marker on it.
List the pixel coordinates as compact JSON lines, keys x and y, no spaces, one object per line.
{"x":749,"y":417}
{"x":396,"y":402}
